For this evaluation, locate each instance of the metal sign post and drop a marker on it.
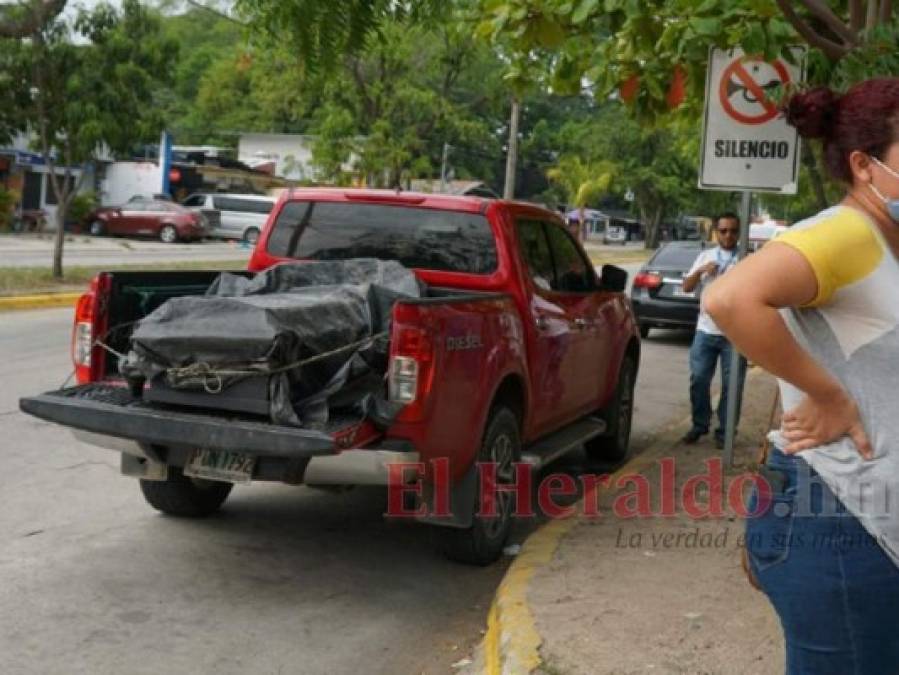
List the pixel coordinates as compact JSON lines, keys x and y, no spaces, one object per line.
{"x":733,"y":385}
{"x":747,"y":146}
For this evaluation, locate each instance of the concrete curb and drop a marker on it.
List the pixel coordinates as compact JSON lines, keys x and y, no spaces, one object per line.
{"x":511,"y":644}
{"x":45,"y":300}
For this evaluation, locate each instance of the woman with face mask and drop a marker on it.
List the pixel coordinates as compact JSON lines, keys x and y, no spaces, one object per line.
{"x":819,"y":308}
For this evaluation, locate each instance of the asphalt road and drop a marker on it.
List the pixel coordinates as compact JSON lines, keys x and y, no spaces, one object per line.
{"x":283,"y":580}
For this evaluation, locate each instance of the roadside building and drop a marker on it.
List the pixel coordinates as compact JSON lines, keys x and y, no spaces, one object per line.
{"x":286,"y":155}
{"x":26,"y":174}
{"x":471,"y":188}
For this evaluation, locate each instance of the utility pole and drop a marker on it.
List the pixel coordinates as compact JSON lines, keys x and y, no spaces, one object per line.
{"x":512,"y":154}
{"x":443,"y":166}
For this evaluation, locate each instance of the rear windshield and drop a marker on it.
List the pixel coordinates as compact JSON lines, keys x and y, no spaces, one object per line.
{"x":420,"y":238}
{"x":676,"y":256}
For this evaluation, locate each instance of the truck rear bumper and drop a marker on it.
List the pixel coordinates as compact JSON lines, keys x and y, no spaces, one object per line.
{"x":109,"y":417}
{"x":361,"y":466}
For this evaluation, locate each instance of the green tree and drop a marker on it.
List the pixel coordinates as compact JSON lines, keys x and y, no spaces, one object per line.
{"x":22,"y":19}
{"x":393,"y":106}
{"x":334,"y":143}
{"x":91,"y":84}
{"x":323,"y":31}
{"x":653,"y":54}
{"x":646,"y":49}
{"x":584,"y":183}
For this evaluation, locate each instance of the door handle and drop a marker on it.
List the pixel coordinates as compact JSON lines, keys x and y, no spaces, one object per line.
{"x":583,"y":324}
{"x":541,"y":322}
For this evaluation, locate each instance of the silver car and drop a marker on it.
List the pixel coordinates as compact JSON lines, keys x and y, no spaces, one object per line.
{"x":240,"y":216}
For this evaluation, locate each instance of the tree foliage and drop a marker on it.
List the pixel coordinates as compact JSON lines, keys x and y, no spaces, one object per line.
{"x":645,"y":51}
{"x":322,"y":32}
{"x":22,"y":19}
{"x":90,"y":84}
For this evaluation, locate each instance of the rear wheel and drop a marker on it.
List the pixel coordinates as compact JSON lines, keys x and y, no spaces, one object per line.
{"x":644,"y":330}
{"x":483,"y":542}
{"x":183,"y":496}
{"x":251,"y":236}
{"x":168,"y":234}
{"x":613,"y":445}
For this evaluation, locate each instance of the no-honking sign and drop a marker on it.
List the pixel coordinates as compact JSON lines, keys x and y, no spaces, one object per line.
{"x":746,"y":142}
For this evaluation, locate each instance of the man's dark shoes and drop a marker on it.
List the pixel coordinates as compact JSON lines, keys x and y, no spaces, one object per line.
{"x":692,"y":436}
{"x":719,"y":442}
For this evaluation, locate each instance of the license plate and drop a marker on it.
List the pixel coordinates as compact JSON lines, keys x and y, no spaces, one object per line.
{"x":220,"y":465}
{"x":681,"y":293}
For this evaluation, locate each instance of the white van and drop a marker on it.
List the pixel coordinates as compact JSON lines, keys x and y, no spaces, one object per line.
{"x":241,"y":216}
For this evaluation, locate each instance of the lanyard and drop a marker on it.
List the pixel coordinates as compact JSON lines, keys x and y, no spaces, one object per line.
{"x":725,"y":264}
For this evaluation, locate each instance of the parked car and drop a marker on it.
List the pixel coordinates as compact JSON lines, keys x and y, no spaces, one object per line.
{"x":140,"y":216}
{"x":616,"y":234}
{"x":517,"y":353}
{"x":657,"y":293}
{"x":240,"y":216}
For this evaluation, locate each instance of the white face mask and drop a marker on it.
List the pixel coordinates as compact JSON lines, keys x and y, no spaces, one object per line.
{"x":891,"y":204}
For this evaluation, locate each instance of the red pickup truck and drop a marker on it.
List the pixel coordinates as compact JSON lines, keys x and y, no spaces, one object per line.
{"x":517,"y":353}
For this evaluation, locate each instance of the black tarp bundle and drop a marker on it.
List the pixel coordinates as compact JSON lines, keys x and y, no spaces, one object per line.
{"x":261,"y":327}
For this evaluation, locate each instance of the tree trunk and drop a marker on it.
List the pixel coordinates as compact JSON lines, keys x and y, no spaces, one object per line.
{"x":61,"y":209}
{"x":653,"y":239}
{"x":810,"y":159}
{"x":581,"y":224}
{"x":512,"y":153}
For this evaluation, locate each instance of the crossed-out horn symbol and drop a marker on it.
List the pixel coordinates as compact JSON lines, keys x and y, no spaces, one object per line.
{"x":735,"y":87}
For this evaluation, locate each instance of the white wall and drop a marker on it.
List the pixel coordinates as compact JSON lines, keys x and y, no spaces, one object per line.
{"x":126,"y":179}
{"x":293,"y":151}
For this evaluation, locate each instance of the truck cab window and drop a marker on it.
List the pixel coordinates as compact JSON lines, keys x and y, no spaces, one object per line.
{"x":420,"y":238}
{"x":573,"y":274}
{"x":535,"y":253}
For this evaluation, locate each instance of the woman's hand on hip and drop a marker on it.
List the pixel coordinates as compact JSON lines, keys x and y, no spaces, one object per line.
{"x":819,"y":421}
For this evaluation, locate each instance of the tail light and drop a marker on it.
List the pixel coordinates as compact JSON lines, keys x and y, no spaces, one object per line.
{"x":410,"y":371}
{"x":90,"y":325}
{"x":647,"y":280}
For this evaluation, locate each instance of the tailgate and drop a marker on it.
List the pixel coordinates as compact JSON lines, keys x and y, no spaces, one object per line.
{"x":113,"y":411}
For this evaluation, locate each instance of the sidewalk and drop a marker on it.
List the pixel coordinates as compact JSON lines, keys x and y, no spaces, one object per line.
{"x":641,"y":595}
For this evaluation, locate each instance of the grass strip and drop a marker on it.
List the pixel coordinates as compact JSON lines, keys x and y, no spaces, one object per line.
{"x":619,"y":257}
{"x":30,"y":280}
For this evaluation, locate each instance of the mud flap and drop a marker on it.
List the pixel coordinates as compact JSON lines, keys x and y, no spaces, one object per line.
{"x":462,"y":502}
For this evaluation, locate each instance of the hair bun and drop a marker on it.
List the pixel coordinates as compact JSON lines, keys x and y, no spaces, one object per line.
{"x":812,"y":112}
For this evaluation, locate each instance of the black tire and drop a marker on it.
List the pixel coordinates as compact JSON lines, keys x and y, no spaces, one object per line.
{"x":183,"y":496}
{"x":614,"y":444}
{"x":97,"y":228}
{"x":168,"y":234}
{"x":483,"y":542}
{"x":644,"y":330}
{"x":251,"y":235}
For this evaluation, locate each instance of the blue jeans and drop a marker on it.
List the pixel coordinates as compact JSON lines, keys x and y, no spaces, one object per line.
{"x":834,"y":588}
{"x":706,"y":350}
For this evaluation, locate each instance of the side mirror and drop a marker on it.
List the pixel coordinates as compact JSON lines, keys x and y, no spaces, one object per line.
{"x":613,"y":279}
